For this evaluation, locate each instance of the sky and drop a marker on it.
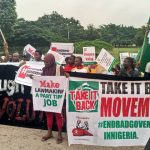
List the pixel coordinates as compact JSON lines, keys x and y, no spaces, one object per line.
{"x":97,"y":12}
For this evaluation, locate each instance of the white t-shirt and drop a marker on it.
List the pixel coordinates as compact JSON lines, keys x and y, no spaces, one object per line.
{"x":147,"y":68}
{"x":83,"y":70}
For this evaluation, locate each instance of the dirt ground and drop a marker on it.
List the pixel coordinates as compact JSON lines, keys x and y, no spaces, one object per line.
{"x":17,"y":138}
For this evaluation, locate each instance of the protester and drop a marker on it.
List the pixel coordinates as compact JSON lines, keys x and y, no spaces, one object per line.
{"x":3,"y":59}
{"x":116,"y":69}
{"x":10,"y":58}
{"x":128,"y":69}
{"x":50,"y":69}
{"x":15,"y":57}
{"x":24,"y":59}
{"x":70,"y":63}
{"x":38,"y":55}
{"x":79,"y":66}
{"x":96,"y":68}
{"x":66,"y":60}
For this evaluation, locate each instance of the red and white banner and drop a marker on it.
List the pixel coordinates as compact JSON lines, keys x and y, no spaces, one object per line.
{"x":108,"y":112}
{"x":58,"y":57}
{"x":65,"y":49}
{"x":24,"y":72}
{"x":88,"y":54}
{"x":30,"y":50}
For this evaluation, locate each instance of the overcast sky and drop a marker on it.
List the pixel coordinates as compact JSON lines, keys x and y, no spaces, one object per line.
{"x":97,"y":12}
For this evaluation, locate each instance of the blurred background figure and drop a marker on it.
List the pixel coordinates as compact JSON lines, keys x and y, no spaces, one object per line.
{"x":70,"y":63}
{"x":38,"y":55}
{"x":3,"y":59}
{"x":116,"y":70}
{"x":15,"y":57}
{"x":10,"y":58}
{"x":66,"y":60}
{"x":147,"y":70}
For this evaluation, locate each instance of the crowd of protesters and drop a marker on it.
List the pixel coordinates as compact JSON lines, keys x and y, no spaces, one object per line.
{"x":74,"y":64}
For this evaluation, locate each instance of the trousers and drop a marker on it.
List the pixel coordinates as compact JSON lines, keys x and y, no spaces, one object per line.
{"x":59,"y":120}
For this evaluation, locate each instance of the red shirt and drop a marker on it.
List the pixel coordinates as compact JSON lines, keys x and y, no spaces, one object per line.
{"x":68,"y":67}
{"x":79,"y":67}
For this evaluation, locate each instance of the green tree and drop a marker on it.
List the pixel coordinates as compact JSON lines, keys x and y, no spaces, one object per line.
{"x":96,"y":43}
{"x":8,"y":16}
{"x":27,"y":32}
{"x":92,"y":33}
{"x":139,"y":36}
{"x":118,"y":35}
{"x":68,"y":28}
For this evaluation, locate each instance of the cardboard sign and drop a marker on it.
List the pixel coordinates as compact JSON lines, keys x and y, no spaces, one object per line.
{"x":105,"y":59}
{"x":58,"y":57}
{"x":65,"y":49}
{"x":88,"y":54}
{"x":49,"y":93}
{"x":30,"y":50}
{"x":23,"y":74}
{"x":133,"y":55}
{"x":123,"y":56}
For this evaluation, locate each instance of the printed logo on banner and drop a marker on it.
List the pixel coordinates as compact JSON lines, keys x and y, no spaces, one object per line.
{"x":83,"y":96}
{"x":23,"y":72}
{"x":82,"y":127}
{"x":54,"y":49}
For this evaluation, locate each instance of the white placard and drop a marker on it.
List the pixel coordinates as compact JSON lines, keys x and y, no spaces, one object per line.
{"x":23,"y":74}
{"x":105,"y":59}
{"x":88,"y":54}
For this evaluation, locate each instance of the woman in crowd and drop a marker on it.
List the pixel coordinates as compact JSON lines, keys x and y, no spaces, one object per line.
{"x":128,"y":69}
{"x":70,"y":63}
{"x":51,"y":69}
{"x":79,"y":66}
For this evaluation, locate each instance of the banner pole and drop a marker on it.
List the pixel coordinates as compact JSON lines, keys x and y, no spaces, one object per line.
{"x":147,"y":28}
{"x":5,"y":44}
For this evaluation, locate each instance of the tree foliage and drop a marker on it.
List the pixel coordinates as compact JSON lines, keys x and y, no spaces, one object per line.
{"x":96,"y":43}
{"x":118,"y":35}
{"x":139,"y":36}
{"x":28,"y":32}
{"x":56,"y":28}
{"x":8,"y":16}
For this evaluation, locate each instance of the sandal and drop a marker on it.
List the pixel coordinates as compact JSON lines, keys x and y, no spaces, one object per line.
{"x":45,"y":138}
{"x":59,"y":140}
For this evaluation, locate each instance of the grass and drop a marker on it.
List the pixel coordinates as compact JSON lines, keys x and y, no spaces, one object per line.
{"x":117,"y":51}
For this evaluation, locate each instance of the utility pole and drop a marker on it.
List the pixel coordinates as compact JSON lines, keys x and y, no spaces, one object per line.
{"x":68,"y":31}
